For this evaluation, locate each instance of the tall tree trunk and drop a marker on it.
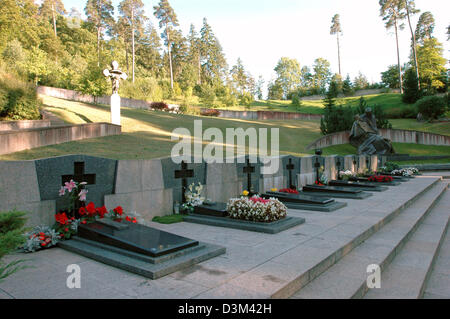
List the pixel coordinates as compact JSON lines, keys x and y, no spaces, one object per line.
{"x":54,"y":19}
{"x":413,"y":36}
{"x":199,"y":81}
{"x":132,"y":38}
{"x":98,"y":45}
{"x":339,"y":53}
{"x":398,"y":58}
{"x":170,"y":56}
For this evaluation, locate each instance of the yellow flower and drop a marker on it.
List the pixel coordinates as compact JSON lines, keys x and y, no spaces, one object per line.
{"x":274,"y":190}
{"x":245,"y":193}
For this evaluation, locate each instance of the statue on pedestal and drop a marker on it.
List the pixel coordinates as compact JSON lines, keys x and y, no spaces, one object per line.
{"x":365,"y":136}
{"x":115,"y":75}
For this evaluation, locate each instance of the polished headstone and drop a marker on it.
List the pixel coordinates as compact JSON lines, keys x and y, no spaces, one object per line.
{"x":246,"y":166}
{"x":52,"y":173}
{"x":298,"y":198}
{"x":172,"y":179}
{"x":136,"y":238}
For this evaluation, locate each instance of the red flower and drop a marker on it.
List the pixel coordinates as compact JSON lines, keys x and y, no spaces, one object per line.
{"x":128,"y":219}
{"x":83,"y":222}
{"x":102,"y":211}
{"x":62,"y":218}
{"x":134,"y":221}
{"x":289,"y":191}
{"x":82,"y":211}
{"x":118,"y":210}
{"x":66,"y":229}
{"x":91,"y":209}
{"x":319,"y":183}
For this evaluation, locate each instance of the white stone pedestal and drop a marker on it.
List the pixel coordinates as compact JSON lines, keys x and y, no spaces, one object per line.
{"x":115,"y":109}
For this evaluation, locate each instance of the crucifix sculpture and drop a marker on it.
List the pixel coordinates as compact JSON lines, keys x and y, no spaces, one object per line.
{"x":317,"y":165}
{"x":115,"y":76}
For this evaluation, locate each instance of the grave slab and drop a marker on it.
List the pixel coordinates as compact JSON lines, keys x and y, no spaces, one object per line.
{"x":269,"y":228}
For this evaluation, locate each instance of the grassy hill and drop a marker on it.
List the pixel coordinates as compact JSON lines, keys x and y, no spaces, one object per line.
{"x":390,"y":102}
{"x":147,"y":134}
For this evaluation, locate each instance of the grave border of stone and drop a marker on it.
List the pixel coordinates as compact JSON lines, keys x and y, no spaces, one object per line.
{"x":227,"y":222}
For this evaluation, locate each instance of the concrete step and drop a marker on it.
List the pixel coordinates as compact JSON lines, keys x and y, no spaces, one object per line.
{"x":407,"y":275}
{"x":347,"y":277}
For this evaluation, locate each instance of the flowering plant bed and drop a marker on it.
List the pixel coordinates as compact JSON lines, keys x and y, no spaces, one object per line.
{"x":380,"y":179}
{"x":289,"y":191}
{"x":256,"y":209}
{"x":210,"y":112}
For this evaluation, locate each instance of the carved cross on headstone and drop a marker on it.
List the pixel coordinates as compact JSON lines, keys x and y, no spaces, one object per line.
{"x":249,"y":170}
{"x":290,"y":167}
{"x":317,"y":164}
{"x":338,"y":165}
{"x":184,"y":174}
{"x":79,"y":176}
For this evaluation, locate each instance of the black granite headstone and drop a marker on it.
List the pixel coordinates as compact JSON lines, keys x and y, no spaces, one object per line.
{"x":198,"y":175}
{"x":99,"y":173}
{"x":249,"y":172}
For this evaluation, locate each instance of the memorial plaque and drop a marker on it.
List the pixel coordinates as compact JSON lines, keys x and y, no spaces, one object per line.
{"x":299,"y":198}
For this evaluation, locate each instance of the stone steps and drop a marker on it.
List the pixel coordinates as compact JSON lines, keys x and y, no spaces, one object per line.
{"x":407,"y":275}
{"x":329,"y":239}
{"x":347,"y":277}
{"x":152,"y":268}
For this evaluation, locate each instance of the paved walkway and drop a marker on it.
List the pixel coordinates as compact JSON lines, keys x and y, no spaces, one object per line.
{"x":256,"y":265}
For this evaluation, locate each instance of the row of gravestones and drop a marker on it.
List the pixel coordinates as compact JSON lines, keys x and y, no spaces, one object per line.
{"x":151,"y":187}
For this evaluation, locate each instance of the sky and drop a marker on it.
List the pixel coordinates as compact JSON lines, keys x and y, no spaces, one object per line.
{"x":260,"y":32}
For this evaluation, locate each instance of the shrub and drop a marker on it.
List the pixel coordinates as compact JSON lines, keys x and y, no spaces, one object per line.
{"x":210,"y":112}
{"x":161,"y":106}
{"x":246,"y":99}
{"x":431,"y":107}
{"x":147,"y":89}
{"x":296,"y":100}
{"x":18,"y":99}
{"x":11,"y":237}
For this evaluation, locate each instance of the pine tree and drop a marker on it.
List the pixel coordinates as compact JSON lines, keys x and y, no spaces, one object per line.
{"x":411,"y":91}
{"x":392,"y":13}
{"x":132,"y":12}
{"x":168,"y":21}
{"x":100,"y":13}
{"x":336,"y":29}
{"x":50,"y":9}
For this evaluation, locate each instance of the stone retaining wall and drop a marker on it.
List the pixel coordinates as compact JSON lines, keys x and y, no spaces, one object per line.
{"x":19,"y":140}
{"x":77,"y":96}
{"x":395,"y":135}
{"x":24,"y":124}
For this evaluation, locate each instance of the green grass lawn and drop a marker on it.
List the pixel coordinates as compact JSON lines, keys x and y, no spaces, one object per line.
{"x":147,"y":134}
{"x":386,"y":100}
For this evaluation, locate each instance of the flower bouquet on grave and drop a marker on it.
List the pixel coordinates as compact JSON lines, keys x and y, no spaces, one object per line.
{"x":380,"y":179}
{"x":40,"y":237}
{"x":323,"y":177}
{"x":193,"y":198}
{"x":346,"y":175}
{"x":289,"y":191}
{"x":76,"y":194}
{"x":256,"y":209}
